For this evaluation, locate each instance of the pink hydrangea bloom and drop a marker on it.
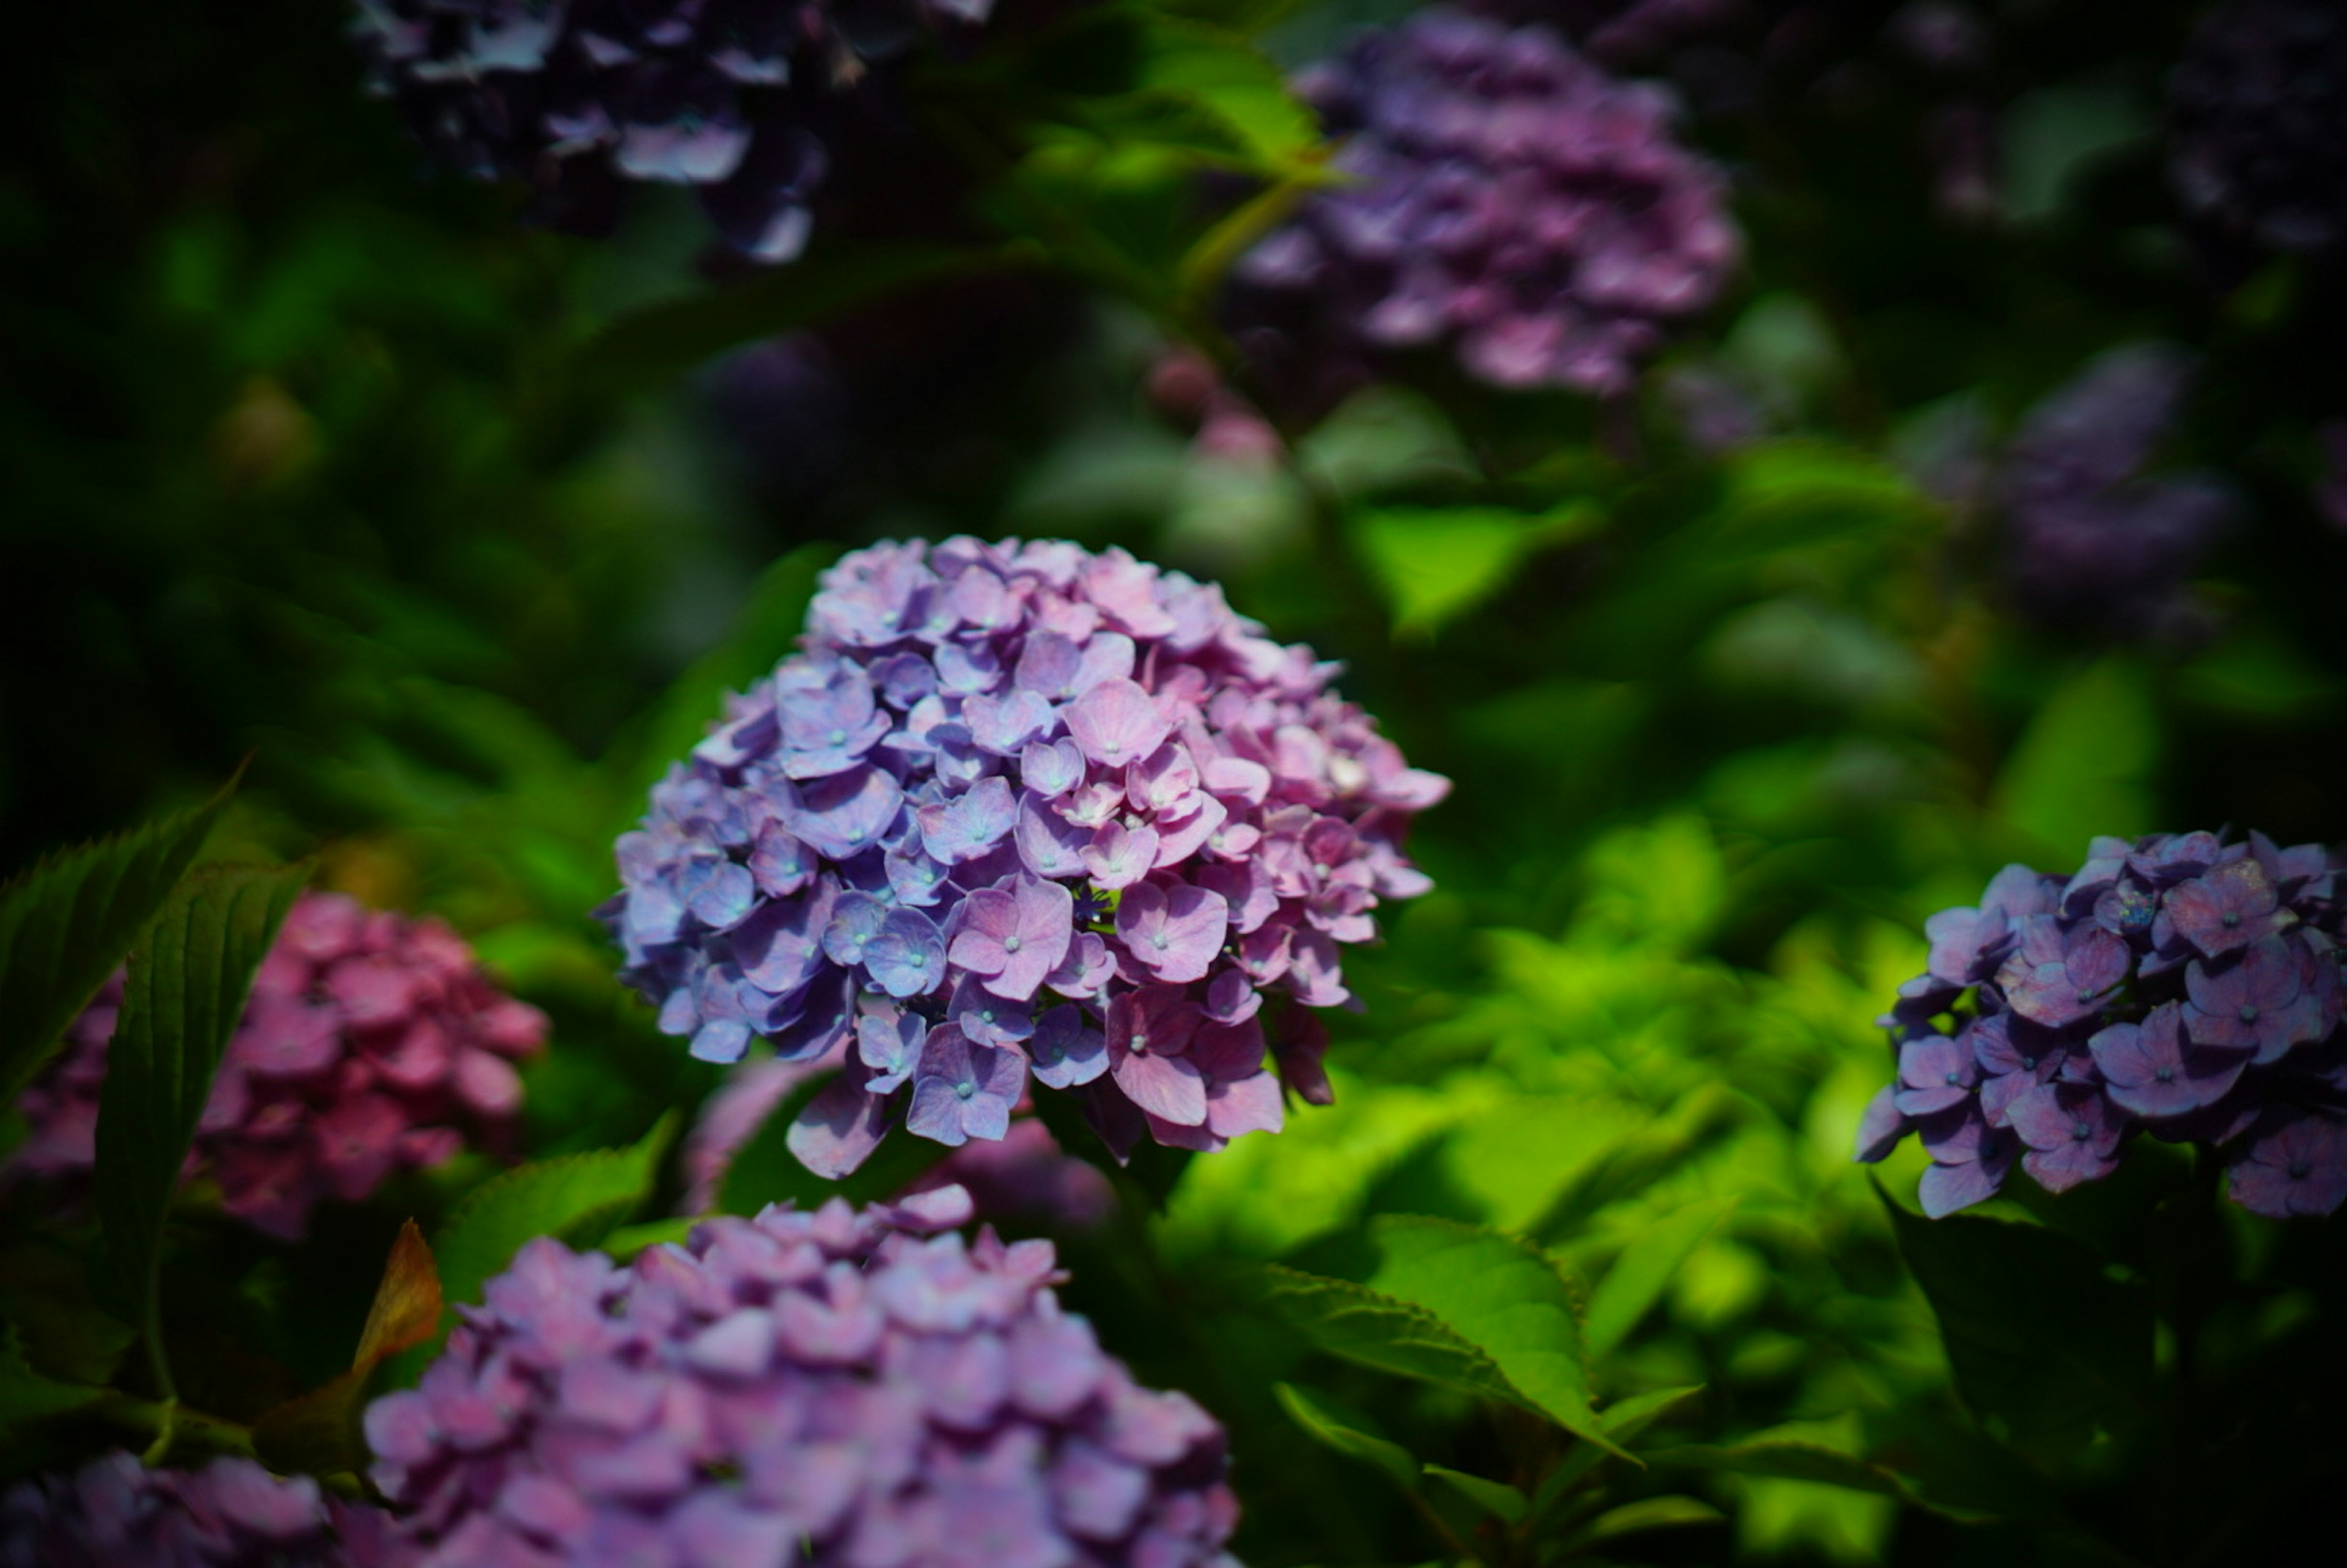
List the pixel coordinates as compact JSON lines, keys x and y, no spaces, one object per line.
{"x":371,"y":1044}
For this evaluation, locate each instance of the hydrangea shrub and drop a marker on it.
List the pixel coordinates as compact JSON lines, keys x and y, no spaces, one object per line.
{"x":1501,"y":195}
{"x":371,"y":1044}
{"x":1020,"y":813}
{"x":734,"y":99}
{"x":836,"y":1387}
{"x":2179,"y":987}
{"x":116,"y":1512}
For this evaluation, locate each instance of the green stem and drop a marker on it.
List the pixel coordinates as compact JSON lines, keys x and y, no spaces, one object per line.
{"x":170,"y":1425}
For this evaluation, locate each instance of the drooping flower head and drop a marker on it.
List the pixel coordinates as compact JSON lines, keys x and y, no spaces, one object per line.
{"x":1020,"y":813}
{"x":1502,"y":195}
{"x":116,"y":1512}
{"x":371,"y":1044}
{"x":2176,"y":986}
{"x":832,"y":1387}
{"x":2094,"y":536}
{"x":736,"y":99}
{"x":2256,"y":123}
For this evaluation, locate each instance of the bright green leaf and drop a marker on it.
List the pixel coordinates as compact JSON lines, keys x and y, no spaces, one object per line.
{"x":26,"y":1395}
{"x":65,"y":924}
{"x":1435,"y":565}
{"x":1669,"y":1512}
{"x":1503,"y":1296}
{"x":580,"y":1199}
{"x":2083,"y":766}
{"x":1348,"y":1432}
{"x":1381,"y":1331}
{"x":185,"y":995}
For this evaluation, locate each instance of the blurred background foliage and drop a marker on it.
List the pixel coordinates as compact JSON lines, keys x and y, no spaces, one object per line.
{"x":316,"y":454}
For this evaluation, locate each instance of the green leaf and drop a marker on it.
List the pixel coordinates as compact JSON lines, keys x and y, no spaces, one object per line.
{"x":1496,"y":1497}
{"x":1348,"y":1432}
{"x":65,"y":924}
{"x":1503,"y":1296}
{"x":1642,"y":1272}
{"x":26,"y":1396}
{"x":765,"y":1170}
{"x":1646,"y":1514}
{"x":1995,"y":1287}
{"x":578,"y":1199}
{"x":1435,"y":565}
{"x":626,"y":1242}
{"x":653,"y":344}
{"x":1789,"y":494}
{"x":1784,"y":1461}
{"x":1626,"y":1418}
{"x":185,"y":992}
{"x":2084,"y":765}
{"x":1381,"y":1331}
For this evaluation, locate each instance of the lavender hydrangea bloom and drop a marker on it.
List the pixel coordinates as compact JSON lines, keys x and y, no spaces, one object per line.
{"x":1504,"y":196}
{"x":116,"y":1512}
{"x":737,"y":100}
{"x":1099,"y":807}
{"x":2093,"y":540}
{"x":2257,"y":121}
{"x":835,"y":1387}
{"x":2177,"y":984}
{"x":371,"y":1044}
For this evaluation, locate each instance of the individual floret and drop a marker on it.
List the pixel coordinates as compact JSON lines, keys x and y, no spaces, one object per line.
{"x":2178,"y":985}
{"x":828,"y":1388}
{"x":1497,"y":193}
{"x":1020,"y":813}
{"x":371,"y":1044}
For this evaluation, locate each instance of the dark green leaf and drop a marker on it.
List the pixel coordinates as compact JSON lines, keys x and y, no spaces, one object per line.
{"x":1505,"y":1298}
{"x":661,"y":341}
{"x":26,"y":1396}
{"x":1496,"y":1497}
{"x":1646,"y":1514}
{"x":1784,"y":1461}
{"x":578,"y":1199}
{"x":185,"y":992}
{"x":65,"y":924}
{"x":2040,"y":1335}
{"x":1348,"y":1432}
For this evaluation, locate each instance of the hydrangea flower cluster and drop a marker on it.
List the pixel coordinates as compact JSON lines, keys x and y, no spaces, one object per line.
{"x":115,"y":1512}
{"x":1503,"y":194}
{"x":732,"y":98}
{"x":2257,"y":121}
{"x":1025,"y":1175}
{"x":2093,"y":540}
{"x":839,"y":1387}
{"x":2179,"y":986}
{"x":371,"y":1044}
{"x":1018,"y":812}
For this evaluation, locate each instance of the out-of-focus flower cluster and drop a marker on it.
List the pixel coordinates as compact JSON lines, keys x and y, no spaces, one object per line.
{"x":2093,"y":540}
{"x":371,"y":1044}
{"x":116,"y":1512}
{"x":1017,"y":811}
{"x":1025,"y":1175}
{"x":2257,"y":119}
{"x":838,"y":1386}
{"x":2177,"y":986}
{"x":1500,"y":193}
{"x":734,"y":98}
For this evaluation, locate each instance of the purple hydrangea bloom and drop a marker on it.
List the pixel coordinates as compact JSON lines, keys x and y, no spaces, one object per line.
{"x":1074,"y":801}
{"x":738,"y":100}
{"x":115,"y":1512}
{"x":1503,"y":196}
{"x":2257,"y":121}
{"x":371,"y":1044}
{"x":2177,"y":984}
{"x":836,"y":1387}
{"x":2093,"y":540}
